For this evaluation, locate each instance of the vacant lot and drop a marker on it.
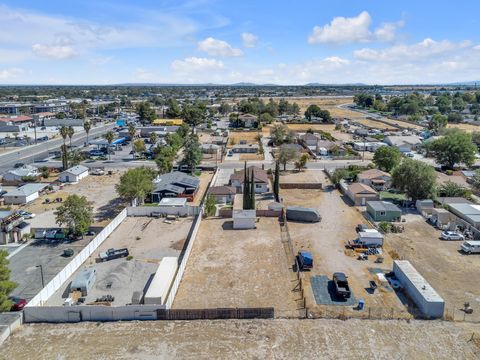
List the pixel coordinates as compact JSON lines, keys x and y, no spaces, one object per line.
{"x":452,"y":274}
{"x":148,"y":240}
{"x":306,"y":176}
{"x":466,"y":127}
{"x":245,"y":339}
{"x":249,"y":137}
{"x":326,"y":240}
{"x":376,"y":125}
{"x":237,"y":268}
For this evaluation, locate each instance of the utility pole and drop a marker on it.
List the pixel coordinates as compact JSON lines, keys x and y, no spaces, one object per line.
{"x":41,"y":273}
{"x":35,"y":119}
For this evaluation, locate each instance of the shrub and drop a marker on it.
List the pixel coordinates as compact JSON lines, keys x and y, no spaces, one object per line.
{"x":385,"y":226}
{"x":129,"y":257}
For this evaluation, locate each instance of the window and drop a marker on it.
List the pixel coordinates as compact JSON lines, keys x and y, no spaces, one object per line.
{"x":383,"y":213}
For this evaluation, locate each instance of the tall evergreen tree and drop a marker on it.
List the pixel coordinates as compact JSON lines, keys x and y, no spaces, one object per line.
{"x":276,"y":181}
{"x":252,"y":192}
{"x":245,"y":187}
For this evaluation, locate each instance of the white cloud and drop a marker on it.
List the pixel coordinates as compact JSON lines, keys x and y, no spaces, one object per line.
{"x":11,"y":73}
{"x":249,"y":40}
{"x":193,"y":64}
{"x":343,"y":30}
{"x":217,"y":47}
{"x":54,"y":51}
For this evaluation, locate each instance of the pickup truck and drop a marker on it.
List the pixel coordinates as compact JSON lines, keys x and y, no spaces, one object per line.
{"x":340,"y":282}
{"x":305,"y":260}
{"x":111,"y":254}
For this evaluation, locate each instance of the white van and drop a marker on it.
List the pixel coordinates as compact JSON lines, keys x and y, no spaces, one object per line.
{"x":471,"y":247}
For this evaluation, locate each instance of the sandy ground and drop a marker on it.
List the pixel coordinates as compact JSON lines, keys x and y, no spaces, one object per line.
{"x":236,"y":136}
{"x":248,"y":339}
{"x":376,"y":125}
{"x":205,"y":178}
{"x":326,"y":240}
{"x":237,"y":268}
{"x":246,"y":157}
{"x":140,"y":235}
{"x":402,"y":123}
{"x":453,"y":275}
{"x":306,"y":176}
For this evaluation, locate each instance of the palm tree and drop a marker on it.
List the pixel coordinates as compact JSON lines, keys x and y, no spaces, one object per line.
{"x":109,"y":137}
{"x":70,"y":133}
{"x":64,"y":134}
{"x":132,"y":132}
{"x":87,"y":125}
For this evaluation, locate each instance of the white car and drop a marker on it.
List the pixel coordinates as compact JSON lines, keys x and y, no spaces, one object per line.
{"x":26,"y":214}
{"x":452,"y":235}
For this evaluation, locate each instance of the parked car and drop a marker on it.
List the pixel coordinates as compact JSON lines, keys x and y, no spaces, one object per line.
{"x":470,"y":247}
{"x":342,"y":289}
{"x":18,"y":165}
{"x":26,"y":214}
{"x":410,"y":154}
{"x":97,"y":172}
{"x":18,"y":303}
{"x":90,"y":233}
{"x":111,"y":254}
{"x":96,"y":153}
{"x":452,"y":235}
{"x":305,"y":260}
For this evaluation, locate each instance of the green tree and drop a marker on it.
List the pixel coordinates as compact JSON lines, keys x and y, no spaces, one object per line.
{"x":164,"y":158}
{"x":265,"y":118}
{"x":301,"y":162}
{"x":451,"y":189}
{"x":87,"y":126}
{"x":194,"y":114}
{"x":210,"y":205}
{"x":287,"y":154}
{"x":246,"y":188}
{"x":415,"y":178}
{"x":224,"y":108}
{"x":315,"y":111}
{"x":153,"y":137}
{"x":6,"y":285}
{"x":387,"y":157}
{"x":454,"y":118}
{"x":145,"y":112}
{"x":276,"y":181}
{"x":64,"y":134}
{"x":109,"y":136}
{"x":173,"y":109}
{"x":139,"y":146}
{"x":278,"y":134}
{"x":192,"y":154}
{"x":76,"y":213}
{"x":476,"y":180}
{"x":252,"y":190}
{"x":456,"y":147}
{"x":437,"y":122}
{"x":135,"y":183}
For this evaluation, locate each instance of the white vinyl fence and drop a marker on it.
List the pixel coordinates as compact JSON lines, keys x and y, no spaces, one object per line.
{"x":76,"y":262}
{"x":163,"y":210}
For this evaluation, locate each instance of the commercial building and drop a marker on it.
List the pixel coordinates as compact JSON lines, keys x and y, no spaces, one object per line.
{"x":419,"y":290}
{"x":383,"y":211}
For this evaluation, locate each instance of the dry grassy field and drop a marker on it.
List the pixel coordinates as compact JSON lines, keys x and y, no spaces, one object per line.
{"x":376,"y":125}
{"x":245,"y":339}
{"x":466,"y":127}
{"x":249,"y":136}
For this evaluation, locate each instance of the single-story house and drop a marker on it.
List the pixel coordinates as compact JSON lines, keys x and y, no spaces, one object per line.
{"x":360,"y":193}
{"x":451,"y":200}
{"x":209,"y":148}
{"x":223,"y":194}
{"x":383,"y":211}
{"x":24,"y":194}
{"x":244,"y":219}
{"x":248,"y":120}
{"x":74,"y":174}
{"x":367,"y":145}
{"x":260,"y":177}
{"x":175,"y":184}
{"x":245,"y":148}
{"x":13,"y":227}
{"x":219,"y":140}
{"x":377,"y":179}
{"x":309,"y":139}
{"x":404,"y":143}
{"x":328,"y":147}
{"x":20,"y":173}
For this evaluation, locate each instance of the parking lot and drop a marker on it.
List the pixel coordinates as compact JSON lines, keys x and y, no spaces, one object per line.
{"x":453,"y":275}
{"x":237,"y":268}
{"x":326,"y":240}
{"x":148,"y":240}
{"x":49,"y":255}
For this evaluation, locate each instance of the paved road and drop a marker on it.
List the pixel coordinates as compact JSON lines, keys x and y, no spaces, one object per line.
{"x":40,"y":151}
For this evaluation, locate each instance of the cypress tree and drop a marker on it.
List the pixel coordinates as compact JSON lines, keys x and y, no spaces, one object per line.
{"x":276,"y":181}
{"x":252,"y":192}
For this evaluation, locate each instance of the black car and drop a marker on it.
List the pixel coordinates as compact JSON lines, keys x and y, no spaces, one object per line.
{"x":342,"y":289}
{"x":18,"y":165}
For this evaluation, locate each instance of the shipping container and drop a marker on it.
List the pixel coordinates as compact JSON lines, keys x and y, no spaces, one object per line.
{"x":158,"y":290}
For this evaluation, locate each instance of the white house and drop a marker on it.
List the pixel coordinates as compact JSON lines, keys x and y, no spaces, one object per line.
{"x":21,"y":172}
{"x":260,"y":178}
{"x":74,"y":174}
{"x":223,"y":194}
{"x":24,"y":194}
{"x":403,"y":143}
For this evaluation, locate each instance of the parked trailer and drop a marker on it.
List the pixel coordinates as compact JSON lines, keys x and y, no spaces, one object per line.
{"x":419,"y":290}
{"x":295,"y":213}
{"x":159,"y":287}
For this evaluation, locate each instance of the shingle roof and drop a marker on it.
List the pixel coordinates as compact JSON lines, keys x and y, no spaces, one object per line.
{"x":357,"y":188}
{"x":372,"y":174}
{"x":175,"y":181}
{"x":222,"y":190}
{"x":259,"y":175}
{"x":382,"y":206}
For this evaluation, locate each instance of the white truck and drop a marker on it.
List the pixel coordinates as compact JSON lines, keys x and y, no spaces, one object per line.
{"x":366,"y":239}
{"x":470,"y":247}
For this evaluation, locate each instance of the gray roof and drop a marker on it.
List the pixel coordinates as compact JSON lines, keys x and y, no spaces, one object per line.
{"x":82,"y":278}
{"x":176,"y":182}
{"x":383,"y":206}
{"x":76,"y":170}
{"x":27,"y":189}
{"x":24,"y":171}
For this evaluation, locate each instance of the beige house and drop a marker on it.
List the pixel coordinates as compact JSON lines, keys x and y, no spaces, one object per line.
{"x":375,"y":178}
{"x":360,"y":193}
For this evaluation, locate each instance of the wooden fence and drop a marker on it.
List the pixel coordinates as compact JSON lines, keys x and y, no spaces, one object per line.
{"x":215,"y":314}
{"x":301,"y":186}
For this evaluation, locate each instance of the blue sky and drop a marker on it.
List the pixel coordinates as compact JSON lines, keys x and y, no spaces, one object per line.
{"x":199,"y":41}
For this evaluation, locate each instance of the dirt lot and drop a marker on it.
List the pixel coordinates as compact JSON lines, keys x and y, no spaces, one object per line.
{"x":237,"y":268}
{"x":452,"y":274}
{"x":247,"y":339}
{"x":246,"y":157}
{"x":306,"y":176}
{"x":326,"y":240}
{"x":236,"y":136}
{"x":205,"y":178}
{"x":402,"y":123}
{"x":377,"y":125}
{"x":140,"y":236}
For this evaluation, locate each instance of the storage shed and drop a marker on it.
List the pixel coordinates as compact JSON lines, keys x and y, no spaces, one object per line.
{"x":419,"y":290}
{"x":84,"y":281}
{"x":24,"y":194}
{"x":74,"y":174}
{"x":244,"y":219}
{"x":159,"y":287}
{"x":441,"y":216}
{"x":383,"y":211}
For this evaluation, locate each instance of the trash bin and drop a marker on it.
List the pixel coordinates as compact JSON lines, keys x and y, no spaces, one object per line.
{"x":361,"y":304}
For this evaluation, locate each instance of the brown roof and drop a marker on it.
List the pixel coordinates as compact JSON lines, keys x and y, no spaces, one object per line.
{"x":18,"y":118}
{"x":358,"y":188}
{"x":222,"y":190}
{"x":372,"y":174}
{"x":259,"y":175}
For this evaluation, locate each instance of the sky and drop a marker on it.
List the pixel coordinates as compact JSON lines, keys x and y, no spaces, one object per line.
{"x":224,"y":42}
